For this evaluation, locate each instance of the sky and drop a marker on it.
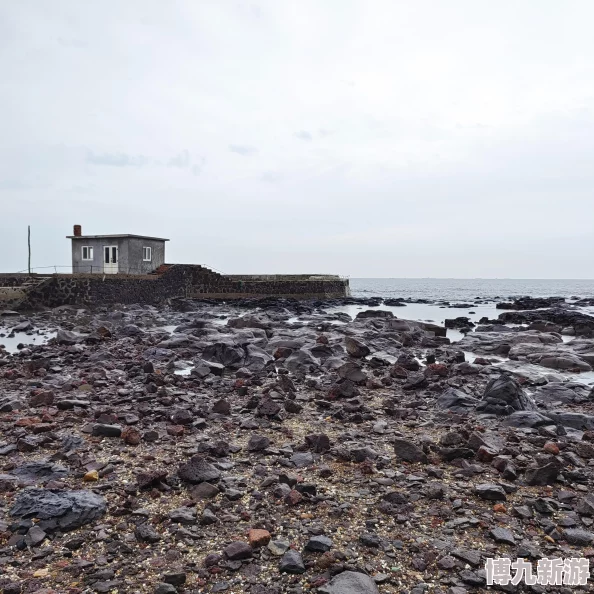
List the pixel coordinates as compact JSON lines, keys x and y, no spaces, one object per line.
{"x":367,"y":138}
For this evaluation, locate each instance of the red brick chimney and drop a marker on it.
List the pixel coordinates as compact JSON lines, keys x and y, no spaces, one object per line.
{"x":77,"y":231}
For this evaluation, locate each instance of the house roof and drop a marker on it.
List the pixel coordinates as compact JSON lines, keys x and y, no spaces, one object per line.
{"x":116,"y":236}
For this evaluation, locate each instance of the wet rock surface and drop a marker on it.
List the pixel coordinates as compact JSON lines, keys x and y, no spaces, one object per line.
{"x":277,"y":446}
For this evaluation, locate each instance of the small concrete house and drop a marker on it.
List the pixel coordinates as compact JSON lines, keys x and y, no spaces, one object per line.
{"x":113,"y":254}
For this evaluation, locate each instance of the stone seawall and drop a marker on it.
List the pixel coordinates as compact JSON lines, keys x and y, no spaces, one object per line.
{"x":178,"y":280}
{"x":15,"y":287}
{"x":286,"y":288}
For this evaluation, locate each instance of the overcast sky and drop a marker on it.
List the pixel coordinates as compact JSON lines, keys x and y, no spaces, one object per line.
{"x":397,"y":138}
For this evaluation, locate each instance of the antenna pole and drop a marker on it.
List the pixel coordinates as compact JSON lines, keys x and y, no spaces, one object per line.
{"x":29,"y":246}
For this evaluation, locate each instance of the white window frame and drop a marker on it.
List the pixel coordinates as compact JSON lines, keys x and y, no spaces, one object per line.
{"x":90,"y":254}
{"x":147,"y":250}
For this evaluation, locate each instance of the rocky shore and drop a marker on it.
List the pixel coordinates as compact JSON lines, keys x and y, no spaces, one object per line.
{"x":280,"y":446}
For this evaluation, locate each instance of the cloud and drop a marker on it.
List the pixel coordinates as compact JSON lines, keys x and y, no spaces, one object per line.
{"x":304,"y":135}
{"x":271,"y":176}
{"x":117,"y":160}
{"x":243,"y":149}
{"x":182,"y":161}
{"x":75,"y":43}
{"x":338,"y":133}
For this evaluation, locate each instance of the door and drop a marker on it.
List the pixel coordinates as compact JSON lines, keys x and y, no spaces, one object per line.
{"x":110,"y":259}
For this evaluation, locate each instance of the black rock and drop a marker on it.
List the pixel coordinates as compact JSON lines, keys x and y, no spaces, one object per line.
{"x":238,"y":550}
{"x":146,"y":533}
{"x":165,"y":589}
{"x":415,"y":381}
{"x":352,"y":371}
{"x":349,"y":582}
{"x":318,"y":443}
{"x":468,"y":556}
{"x":198,"y":470}
{"x":456,"y":401}
{"x":107,"y":430}
{"x":318,"y":544}
{"x":503,"y":535}
{"x":230,"y":356}
{"x":65,"y":510}
{"x":183,"y":515}
{"x":370,"y":540}
{"x":175,"y":579}
{"x":258,"y":443}
{"x":34,"y":536}
{"x":491,"y":492}
{"x":542,"y":475}
{"x":503,"y":396}
{"x":408,"y":451}
{"x":208,"y":517}
{"x":578,"y":537}
{"x":585,"y":506}
{"x":39,"y":471}
{"x":374,"y":313}
{"x":355,"y":348}
{"x":302,"y":459}
{"x":292,"y":562}
{"x":221,"y":407}
{"x":182,"y":416}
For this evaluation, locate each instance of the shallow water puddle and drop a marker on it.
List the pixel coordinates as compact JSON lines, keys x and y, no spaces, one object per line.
{"x":10,"y":344}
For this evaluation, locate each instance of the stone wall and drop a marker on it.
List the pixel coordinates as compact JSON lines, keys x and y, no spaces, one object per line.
{"x":285,"y":288}
{"x":93,"y":289}
{"x":15,"y":287}
{"x":178,"y":280}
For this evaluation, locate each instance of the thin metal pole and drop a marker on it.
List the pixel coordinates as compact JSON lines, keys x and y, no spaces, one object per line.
{"x":29,"y":246}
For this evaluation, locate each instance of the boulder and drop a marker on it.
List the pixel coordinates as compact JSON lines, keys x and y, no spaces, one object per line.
{"x":542,"y":475}
{"x":349,"y":582}
{"x":63,"y":510}
{"x":228,"y":355}
{"x":352,"y":371}
{"x":292,"y":562}
{"x":456,"y":401}
{"x":68,"y":338}
{"x":355,"y":348}
{"x":374,"y":313}
{"x":408,"y":451}
{"x":503,"y":396}
{"x":198,"y":470}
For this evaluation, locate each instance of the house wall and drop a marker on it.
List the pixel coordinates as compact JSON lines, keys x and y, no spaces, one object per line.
{"x":129,"y":255}
{"x":135,"y":262}
{"x":87,"y":266}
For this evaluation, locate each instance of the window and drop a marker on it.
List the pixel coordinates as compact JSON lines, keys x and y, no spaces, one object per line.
{"x":147,"y":254}
{"x":87,"y":252}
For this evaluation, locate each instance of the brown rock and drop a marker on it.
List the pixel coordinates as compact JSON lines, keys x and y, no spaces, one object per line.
{"x":258,"y":538}
{"x":436,"y":369}
{"x":398,"y":372}
{"x":175,"y":430}
{"x":131,"y":436}
{"x":41,"y":398}
{"x":293,"y":497}
{"x":151,"y":478}
{"x":485,"y":454}
{"x":585,"y":450}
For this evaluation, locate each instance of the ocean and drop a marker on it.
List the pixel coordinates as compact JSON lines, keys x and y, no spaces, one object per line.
{"x":468,"y":289}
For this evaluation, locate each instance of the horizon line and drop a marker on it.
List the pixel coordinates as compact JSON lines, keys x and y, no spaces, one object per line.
{"x":465,"y":278}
